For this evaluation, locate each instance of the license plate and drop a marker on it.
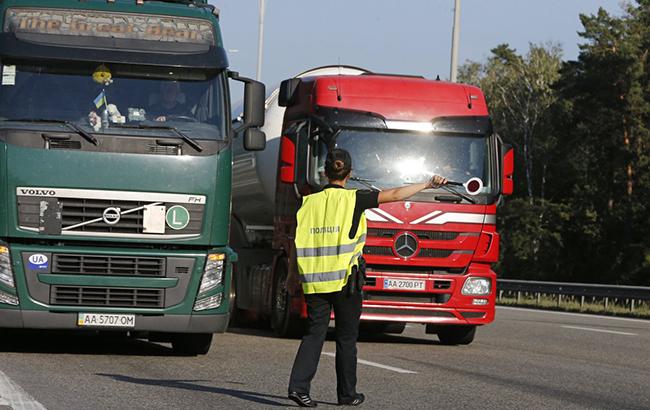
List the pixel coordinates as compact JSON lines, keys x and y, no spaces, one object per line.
{"x":403,"y":284}
{"x":105,"y":320}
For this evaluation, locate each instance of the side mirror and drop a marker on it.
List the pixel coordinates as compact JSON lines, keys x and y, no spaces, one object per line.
{"x":287,"y":160}
{"x":254,"y":98}
{"x":254,"y":139}
{"x":287,"y":94}
{"x":507,"y":169}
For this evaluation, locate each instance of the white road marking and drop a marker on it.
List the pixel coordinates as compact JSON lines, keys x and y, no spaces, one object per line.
{"x":14,"y":396}
{"x":584,"y":315}
{"x":381,"y":366}
{"x":599,"y":330}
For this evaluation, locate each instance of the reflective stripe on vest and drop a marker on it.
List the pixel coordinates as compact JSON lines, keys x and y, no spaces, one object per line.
{"x":325,"y":253}
{"x":329,"y":250}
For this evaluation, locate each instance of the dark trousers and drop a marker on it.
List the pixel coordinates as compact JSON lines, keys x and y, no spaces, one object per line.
{"x":347,"y":309}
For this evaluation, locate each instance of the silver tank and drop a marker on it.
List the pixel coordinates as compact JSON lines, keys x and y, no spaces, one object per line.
{"x":255,"y":173}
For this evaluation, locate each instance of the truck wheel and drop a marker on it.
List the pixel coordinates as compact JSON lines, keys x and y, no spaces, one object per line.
{"x":456,"y":334}
{"x":284,"y":324}
{"x":191,"y":344}
{"x":234,"y":312}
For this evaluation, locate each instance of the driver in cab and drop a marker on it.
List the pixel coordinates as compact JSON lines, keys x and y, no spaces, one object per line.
{"x":170,"y":104}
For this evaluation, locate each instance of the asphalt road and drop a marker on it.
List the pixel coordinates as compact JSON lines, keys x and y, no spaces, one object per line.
{"x":525,"y":359}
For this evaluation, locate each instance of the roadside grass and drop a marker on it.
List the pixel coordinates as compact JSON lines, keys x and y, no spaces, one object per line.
{"x":615,"y":307}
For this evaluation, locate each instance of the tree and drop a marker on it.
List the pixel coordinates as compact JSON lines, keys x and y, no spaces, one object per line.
{"x":519,"y":90}
{"x":582,"y":130}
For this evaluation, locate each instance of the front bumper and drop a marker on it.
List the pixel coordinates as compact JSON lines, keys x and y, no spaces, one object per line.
{"x":18,"y":319}
{"x":45,"y":301}
{"x":441,"y":302}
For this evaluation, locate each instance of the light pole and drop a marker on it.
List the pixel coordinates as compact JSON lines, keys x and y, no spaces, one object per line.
{"x":454,"y":43}
{"x":260,"y":42}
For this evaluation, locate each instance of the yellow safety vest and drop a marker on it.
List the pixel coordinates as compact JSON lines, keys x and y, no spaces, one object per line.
{"x":324,"y":250}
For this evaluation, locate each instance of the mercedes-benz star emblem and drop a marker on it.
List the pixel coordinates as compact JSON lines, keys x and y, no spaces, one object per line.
{"x":112,"y":215}
{"x":406,"y":245}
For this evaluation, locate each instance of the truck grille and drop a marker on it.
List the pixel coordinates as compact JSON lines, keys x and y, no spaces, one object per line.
{"x":423,"y":253}
{"x":76,"y":211}
{"x":85,"y":216}
{"x":408,"y":298}
{"x":431,"y":235}
{"x":425,"y":270}
{"x":107,"y":265}
{"x":378,"y":250}
{"x":108,"y":297}
{"x":434,"y":253}
{"x":405,"y":312}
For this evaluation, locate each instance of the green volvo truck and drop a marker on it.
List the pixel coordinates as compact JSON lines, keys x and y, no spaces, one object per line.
{"x":115,"y":167}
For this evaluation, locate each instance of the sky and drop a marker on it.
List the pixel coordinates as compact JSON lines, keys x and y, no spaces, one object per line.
{"x":401,"y":37}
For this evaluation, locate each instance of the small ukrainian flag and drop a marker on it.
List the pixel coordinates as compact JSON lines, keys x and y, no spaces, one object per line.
{"x":100,"y":99}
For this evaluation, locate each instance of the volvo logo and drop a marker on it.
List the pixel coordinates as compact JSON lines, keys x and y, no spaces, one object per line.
{"x":406,"y":245}
{"x":112,"y":215}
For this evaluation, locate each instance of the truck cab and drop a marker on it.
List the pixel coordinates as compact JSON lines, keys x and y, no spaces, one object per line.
{"x":115,"y":168}
{"x":429,"y":258}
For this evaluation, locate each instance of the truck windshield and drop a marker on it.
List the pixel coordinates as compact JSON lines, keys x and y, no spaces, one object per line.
{"x":387,"y":159}
{"x":192,"y":100}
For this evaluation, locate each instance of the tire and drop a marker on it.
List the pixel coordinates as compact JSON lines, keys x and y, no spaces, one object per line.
{"x":191,"y":344}
{"x":283,"y":323}
{"x":234,"y":312}
{"x":456,"y":334}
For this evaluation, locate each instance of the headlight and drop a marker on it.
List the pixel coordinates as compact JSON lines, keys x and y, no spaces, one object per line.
{"x":212,"y":273}
{"x":8,"y":299}
{"x":475,"y":286}
{"x":211,"y":302}
{"x":6,"y":273}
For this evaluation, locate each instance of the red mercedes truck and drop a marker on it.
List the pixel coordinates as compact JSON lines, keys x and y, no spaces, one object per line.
{"x":428,"y":258}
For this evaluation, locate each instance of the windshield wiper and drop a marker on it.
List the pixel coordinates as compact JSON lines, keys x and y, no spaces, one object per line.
{"x":72,"y":126}
{"x":366,"y":182}
{"x":458,"y":194}
{"x":190,"y":141}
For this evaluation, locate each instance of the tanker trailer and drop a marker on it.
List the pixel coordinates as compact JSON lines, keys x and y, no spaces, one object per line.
{"x":254,"y":205}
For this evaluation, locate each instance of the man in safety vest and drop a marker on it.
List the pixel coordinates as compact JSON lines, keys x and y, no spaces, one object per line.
{"x":330,"y":237}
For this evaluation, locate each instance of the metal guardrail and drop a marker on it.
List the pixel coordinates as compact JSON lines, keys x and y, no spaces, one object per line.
{"x":629,"y":294}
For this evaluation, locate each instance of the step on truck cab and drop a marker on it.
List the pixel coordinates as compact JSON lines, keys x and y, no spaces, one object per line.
{"x":429,"y":258}
{"x":115,"y":167}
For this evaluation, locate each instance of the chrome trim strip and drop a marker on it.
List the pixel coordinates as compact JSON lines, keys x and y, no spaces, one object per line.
{"x":425,"y":217}
{"x":374,"y":217}
{"x":458,"y":217}
{"x":110,"y":195}
{"x":385,"y":214}
{"x":490,"y":219}
{"x":119,"y":235}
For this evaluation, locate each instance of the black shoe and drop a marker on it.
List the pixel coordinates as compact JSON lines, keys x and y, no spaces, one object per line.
{"x":355,"y":401}
{"x":302,"y":399}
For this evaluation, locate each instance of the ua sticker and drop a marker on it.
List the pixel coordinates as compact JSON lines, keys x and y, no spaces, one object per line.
{"x":177,"y":217}
{"x":37,"y":261}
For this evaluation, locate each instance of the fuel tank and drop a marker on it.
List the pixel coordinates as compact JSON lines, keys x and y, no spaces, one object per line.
{"x":255,"y":173}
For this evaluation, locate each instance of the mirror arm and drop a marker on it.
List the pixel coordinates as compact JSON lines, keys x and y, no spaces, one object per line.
{"x":234,"y":75}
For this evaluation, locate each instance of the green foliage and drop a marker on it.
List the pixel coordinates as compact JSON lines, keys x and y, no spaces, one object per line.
{"x":581,"y":131}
